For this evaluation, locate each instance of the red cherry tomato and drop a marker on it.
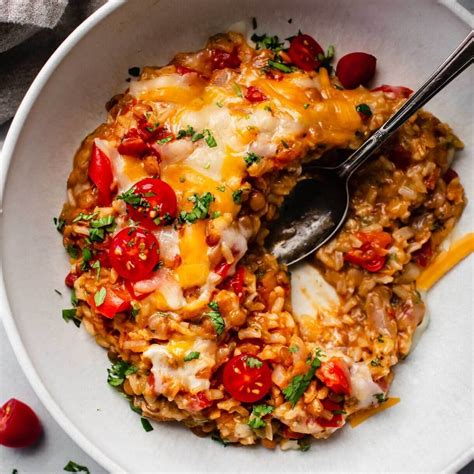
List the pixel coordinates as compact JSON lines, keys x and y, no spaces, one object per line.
{"x":449,"y":175}
{"x":423,"y":256}
{"x":334,"y":373}
{"x":100,"y":173}
{"x":70,"y":279}
{"x":157,"y":206}
{"x":221,"y":59}
{"x":134,"y":253}
{"x":371,"y":255}
{"x":355,"y":69}
{"x":304,"y":52}
{"x":222,"y":269}
{"x":394,"y":92}
{"x":19,"y":425}
{"x":254,"y":95}
{"x":247,"y":384}
{"x":132,"y":144}
{"x":236,"y":281}
{"x":117,"y":300}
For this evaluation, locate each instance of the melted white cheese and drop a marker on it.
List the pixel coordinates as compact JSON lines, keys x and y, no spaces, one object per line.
{"x":363,"y":387}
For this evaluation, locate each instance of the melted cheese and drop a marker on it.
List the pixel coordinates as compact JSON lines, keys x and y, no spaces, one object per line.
{"x":445,"y":261}
{"x":357,"y":418}
{"x":172,"y":374}
{"x":363,"y":387}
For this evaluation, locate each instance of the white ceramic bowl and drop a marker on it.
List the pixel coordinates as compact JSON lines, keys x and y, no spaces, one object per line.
{"x":430,"y":430}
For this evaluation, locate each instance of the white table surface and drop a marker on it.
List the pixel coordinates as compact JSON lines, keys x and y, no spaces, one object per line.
{"x":55,"y":448}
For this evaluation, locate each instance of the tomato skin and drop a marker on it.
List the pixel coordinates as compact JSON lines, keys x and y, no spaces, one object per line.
{"x":423,"y":256}
{"x":334,"y":422}
{"x":132,"y":144}
{"x":222,"y":269}
{"x":116,"y":300}
{"x":100,"y":173}
{"x":19,"y":425}
{"x":162,"y":204}
{"x":334,"y":373}
{"x":372,"y":254}
{"x":303,"y":52}
{"x":182,"y":70}
{"x":134,"y":253}
{"x":244,"y":383}
{"x":395,"y":92}
{"x":199,"y":401}
{"x":254,"y":95}
{"x":221,"y":59}
{"x":356,"y":69}
{"x":236,"y":281}
{"x":400,"y":157}
{"x":70,"y":279}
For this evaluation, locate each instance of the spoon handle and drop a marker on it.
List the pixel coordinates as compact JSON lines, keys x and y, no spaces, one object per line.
{"x":459,"y":60}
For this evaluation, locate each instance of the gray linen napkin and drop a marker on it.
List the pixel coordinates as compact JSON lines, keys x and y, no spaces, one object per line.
{"x":30,"y":31}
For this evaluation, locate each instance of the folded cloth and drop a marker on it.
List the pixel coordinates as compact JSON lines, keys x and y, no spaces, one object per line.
{"x":30,"y":31}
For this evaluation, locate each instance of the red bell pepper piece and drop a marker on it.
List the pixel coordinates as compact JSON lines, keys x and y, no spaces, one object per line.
{"x":116,"y":301}
{"x":100,"y":173}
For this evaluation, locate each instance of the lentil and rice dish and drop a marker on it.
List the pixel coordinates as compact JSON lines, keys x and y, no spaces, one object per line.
{"x":165,"y":225}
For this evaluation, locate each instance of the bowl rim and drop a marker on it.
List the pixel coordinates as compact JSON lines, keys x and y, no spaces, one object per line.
{"x":6,"y":314}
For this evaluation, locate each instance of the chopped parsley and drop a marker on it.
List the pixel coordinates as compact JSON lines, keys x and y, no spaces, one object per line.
{"x":380,"y":338}
{"x":216,"y":318}
{"x":96,"y":267}
{"x":217,"y":438}
{"x":99,"y":296}
{"x":59,"y":223}
{"x":259,"y":411}
{"x":237,"y":196}
{"x":364,"y":110}
{"x":381,"y":397}
{"x":99,"y":227}
{"x":279,"y":66}
{"x":375,"y":362}
{"x":285,"y":144}
{"x":186,"y":132}
{"x":86,"y":258}
{"x":221,"y":188}
{"x":146,"y":425}
{"x":70,"y":315}
{"x":72,"y":466}
{"x":267,"y":42}
{"x":191,"y":356}
{"x":84,"y":217}
{"x":58,"y":292}
{"x":202,"y":203}
{"x":135,"y":408}
{"x":237,"y":89}
{"x":254,"y":23}
{"x":132,"y":198}
{"x":300,"y":383}
{"x":293,"y":349}
{"x":339,"y":412}
{"x":164,"y":140}
{"x":304,"y":444}
{"x":134,"y":71}
{"x":72,"y":251}
{"x":74,"y":300}
{"x":116,"y":375}
{"x":251,"y":158}
{"x":216,"y":214}
{"x":305,"y":106}
{"x":209,"y":138}
{"x":134,"y":311}
{"x":253,"y":362}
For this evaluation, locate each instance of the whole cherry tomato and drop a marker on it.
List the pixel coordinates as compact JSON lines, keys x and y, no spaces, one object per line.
{"x":247,"y":378}
{"x":134,"y":253}
{"x":355,"y":69}
{"x":152,"y":203}
{"x":19,"y":425}
{"x":304,"y":51}
{"x":334,"y":373}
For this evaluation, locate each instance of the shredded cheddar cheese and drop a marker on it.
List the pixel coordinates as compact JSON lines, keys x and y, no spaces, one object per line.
{"x":357,"y":418}
{"x":445,"y":261}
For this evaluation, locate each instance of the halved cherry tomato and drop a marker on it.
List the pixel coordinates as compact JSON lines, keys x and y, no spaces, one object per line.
{"x":449,"y":175}
{"x":254,"y":95}
{"x":247,"y":384}
{"x":423,"y":256}
{"x":117,"y":300}
{"x":100,"y":173}
{"x":221,"y":59}
{"x":334,"y":373}
{"x":371,"y":255}
{"x":222,"y":269}
{"x":304,"y":51}
{"x":70,"y":279}
{"x":134,"y":253}
{"x":19,"y":425}
{"x":236,"y":281}
{"x":395,"y":92}
{"x":157,"y":204}
{"x":356,"y":69}
{"x":132,"y":144}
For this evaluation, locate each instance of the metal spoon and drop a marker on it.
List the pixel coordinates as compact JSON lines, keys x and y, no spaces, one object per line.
{"x":317,"y":206}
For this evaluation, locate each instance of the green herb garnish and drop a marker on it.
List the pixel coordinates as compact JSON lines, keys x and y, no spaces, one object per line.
{"x":300,"y":383}
{"x":293,"y":349}
{"x":253,"y":362}
{"x":210,"y":140}
{"x":191,"y":356}
{"x":216,"y":318}
{"x":99,"y":227}
{"x":70,"y":315}
{"x":258,"y":412}
{"x":72,"y":251}
{"x":84,"y":217}
{"x":116,"y":375}
{"x":381,"y":397}
{"x":59,"y":223}
{"x":217,"y":438}
{"x":251,"y":158}
{"x":267,"y":42}
{"x":146,"y":425}
{"x":237,"y":196}
{"x":72,"y":466}
{"x":134,"y":71}
{"x":237,"y":89}
{"x":99,"y":296}
{"x":375,"y":362}
{"x":200,"y":210}
{"x":364,"y":110}
{"x":164,"y":140}
{"x":280,"y":66}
